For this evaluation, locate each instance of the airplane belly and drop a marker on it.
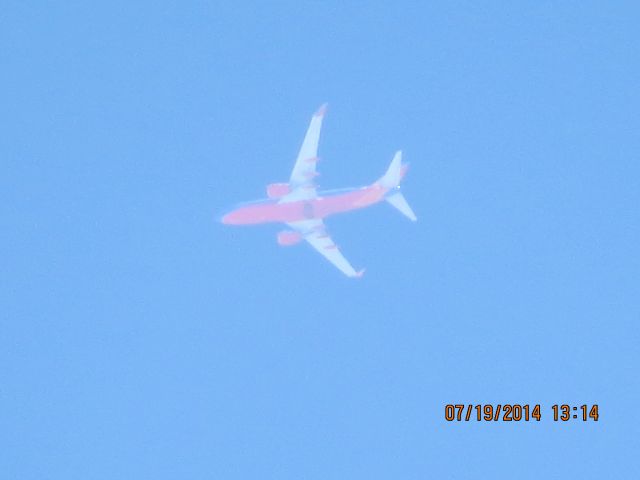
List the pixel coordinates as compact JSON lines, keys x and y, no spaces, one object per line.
{"x":350,"y":201}
{"x":281,"y":212}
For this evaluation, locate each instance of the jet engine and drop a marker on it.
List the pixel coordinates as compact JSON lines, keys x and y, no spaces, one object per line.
{"x":277,"y":190}
{"x":286,"y":238}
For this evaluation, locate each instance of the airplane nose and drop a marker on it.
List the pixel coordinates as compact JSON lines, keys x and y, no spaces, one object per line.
{"x":231,"y":218}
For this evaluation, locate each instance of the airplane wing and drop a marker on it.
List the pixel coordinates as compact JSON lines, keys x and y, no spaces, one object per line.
{"x":315,"y":233}
{"x":304,"y":171}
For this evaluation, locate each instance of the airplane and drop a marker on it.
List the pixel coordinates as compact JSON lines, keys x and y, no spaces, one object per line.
{"x":303,"y":209}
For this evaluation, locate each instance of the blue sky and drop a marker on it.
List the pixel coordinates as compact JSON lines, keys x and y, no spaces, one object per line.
{"x":142,"y":339}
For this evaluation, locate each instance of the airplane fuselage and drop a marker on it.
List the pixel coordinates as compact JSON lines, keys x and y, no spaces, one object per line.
{"x":303,"y":209}
{"x":324,"y":205}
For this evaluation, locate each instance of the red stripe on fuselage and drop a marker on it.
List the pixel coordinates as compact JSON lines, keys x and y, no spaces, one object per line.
{"x":290,"y":212}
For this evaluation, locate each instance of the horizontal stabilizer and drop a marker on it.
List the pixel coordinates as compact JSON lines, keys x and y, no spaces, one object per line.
{"x":399,"y":202}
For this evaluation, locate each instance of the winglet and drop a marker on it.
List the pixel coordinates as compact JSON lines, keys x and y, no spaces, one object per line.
{"x":321,"y":111}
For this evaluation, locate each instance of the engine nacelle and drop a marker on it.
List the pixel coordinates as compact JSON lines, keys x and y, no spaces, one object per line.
{"x":286,"y":238}
{"x":277,"y":190}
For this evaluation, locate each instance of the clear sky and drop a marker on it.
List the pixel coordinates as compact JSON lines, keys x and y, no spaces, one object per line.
{"x":140,"y":338}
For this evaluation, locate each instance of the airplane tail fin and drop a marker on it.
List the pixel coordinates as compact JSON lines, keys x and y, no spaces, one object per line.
{"x":395,"y":172}
{"x":391,"y":182}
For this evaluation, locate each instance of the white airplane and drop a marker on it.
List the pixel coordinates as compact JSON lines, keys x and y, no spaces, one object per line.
{"x":303,"y":209}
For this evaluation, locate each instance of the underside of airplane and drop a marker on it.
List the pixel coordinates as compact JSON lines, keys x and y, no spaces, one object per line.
{"x":303,"y":209}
